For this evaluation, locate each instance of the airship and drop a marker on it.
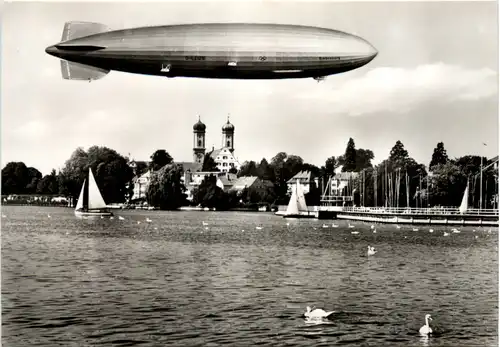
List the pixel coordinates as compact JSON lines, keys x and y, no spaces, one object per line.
{"x":89,"y":51}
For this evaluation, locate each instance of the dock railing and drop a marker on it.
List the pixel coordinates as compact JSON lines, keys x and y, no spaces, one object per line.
{"x":419,"y":210}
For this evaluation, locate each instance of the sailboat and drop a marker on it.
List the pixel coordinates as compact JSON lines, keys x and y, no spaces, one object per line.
{"x":297,"y":207}
{"x":463,"y":206}
{"x":90,"y":202}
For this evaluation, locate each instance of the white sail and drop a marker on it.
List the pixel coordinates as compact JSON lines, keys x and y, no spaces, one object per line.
{"x":301,"y":199}
{"x":79,"y":204}
{"x":463,"y":205}
{"x":95,"y":198}
{"x":293,"y":207}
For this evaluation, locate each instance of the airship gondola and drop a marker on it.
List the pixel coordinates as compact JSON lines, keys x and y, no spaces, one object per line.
{"x":89,"y":51}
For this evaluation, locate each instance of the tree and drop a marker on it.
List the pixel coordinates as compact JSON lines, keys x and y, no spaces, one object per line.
{"x":330,"y":166}
{"x":15,"y":178}
{"x":439,"y":156}
{"x":448,"y":184}
{"x":111,"y":171}
{"x":364,"y":159}
{"x":209,"y":164}
{"x":48,"y":184}
{"x":34,"y":177}
{"x":249,"y":168}
{"x":265,"y":170}
{"x":398,"y":155}
{"x":165,"y":189}
{"x":159,"y":159}
{"x":349,"y":157}
{"x":208,"y":194}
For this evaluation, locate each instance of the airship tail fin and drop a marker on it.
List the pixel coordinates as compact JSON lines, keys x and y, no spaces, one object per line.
{"x":75,"y":30}
{"x":81,"y":72}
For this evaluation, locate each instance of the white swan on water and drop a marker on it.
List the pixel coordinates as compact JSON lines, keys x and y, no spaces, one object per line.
{"x":317,"y":313}
{"x":426,"y":329}
{"x":371,"y":250}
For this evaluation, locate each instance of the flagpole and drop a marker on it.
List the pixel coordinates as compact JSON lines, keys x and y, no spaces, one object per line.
{"x":481,"y":186}
{"x":481,"y":183}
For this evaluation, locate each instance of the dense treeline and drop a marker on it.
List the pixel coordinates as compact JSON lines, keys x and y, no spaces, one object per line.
{"x":397,"y":181}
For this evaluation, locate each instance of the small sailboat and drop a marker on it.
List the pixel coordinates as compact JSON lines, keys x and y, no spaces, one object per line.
{"x":90,"y":202}
{"x":463,"y":206}
{"x":297,"y":207}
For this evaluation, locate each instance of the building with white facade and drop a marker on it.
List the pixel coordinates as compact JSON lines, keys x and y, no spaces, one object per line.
{"x":305,"y":179}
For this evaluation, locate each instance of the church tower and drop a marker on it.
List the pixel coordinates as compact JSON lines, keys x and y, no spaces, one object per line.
{"x":228,"y":135}
{"x":198,"y":141}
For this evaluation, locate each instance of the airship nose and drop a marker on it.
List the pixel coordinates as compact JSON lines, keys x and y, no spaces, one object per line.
{"x":51,"y":50}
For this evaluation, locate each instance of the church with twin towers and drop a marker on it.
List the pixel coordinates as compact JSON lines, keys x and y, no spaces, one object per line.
{"x":224,"y":157}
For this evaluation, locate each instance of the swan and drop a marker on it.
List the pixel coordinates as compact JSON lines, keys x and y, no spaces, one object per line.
{"x":371,"y":250}
{"x":431,"y":230}
{"x":111,"y":217}
{"x":373,"y":226}
{"x":317,"y":313}
{"x":258,"y":228}
{"x":415,"y":229}
{"x":398,"y":226}
{"x":426,"y":329}
{"x":455,"y":230}
{"x":325,"y":226}
{"x":204,"y":223}
{"x":335,"y":226}
{"x":120,"y":218}
{"x":374,"y":231}
{"x":446,"y":234}
{"x":351,"y":226}
{"x":148,"y":220}
{"x":355,"y":232}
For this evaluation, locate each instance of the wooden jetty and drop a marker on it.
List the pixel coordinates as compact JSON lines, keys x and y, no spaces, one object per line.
{"x":394,"y":215}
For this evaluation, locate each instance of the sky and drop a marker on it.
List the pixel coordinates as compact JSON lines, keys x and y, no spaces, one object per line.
{"x":434,"y":79}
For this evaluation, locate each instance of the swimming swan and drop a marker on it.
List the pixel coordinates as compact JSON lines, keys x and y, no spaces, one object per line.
{"x":426,"y":329}
{"x":317,"y":313}
{"x":371,"y":250}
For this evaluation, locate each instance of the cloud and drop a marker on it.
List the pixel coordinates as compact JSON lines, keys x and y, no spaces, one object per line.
{"x":398,"y":90}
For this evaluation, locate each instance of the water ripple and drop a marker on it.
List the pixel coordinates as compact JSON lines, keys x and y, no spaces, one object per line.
{"x":68,"y":282}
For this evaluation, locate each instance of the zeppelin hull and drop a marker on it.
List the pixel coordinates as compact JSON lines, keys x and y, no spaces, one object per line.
{"x":248,"y":51}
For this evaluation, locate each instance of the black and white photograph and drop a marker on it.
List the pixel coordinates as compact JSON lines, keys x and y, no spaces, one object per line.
{"x":250,"y":173}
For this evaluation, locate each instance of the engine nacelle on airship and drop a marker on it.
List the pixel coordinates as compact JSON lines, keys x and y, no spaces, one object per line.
{"x":231,"y":50}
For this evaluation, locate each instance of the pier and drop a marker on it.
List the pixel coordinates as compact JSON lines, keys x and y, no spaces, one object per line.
{"x":413,"y":215}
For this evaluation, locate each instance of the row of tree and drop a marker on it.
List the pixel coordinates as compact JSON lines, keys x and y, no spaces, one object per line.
{"x":397,"y":181}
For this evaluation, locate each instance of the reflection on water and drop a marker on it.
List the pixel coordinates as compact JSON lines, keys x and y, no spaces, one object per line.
{"x":175,"y":281}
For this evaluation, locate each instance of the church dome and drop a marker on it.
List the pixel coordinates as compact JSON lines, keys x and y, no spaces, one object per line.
{"x":228,"y":126}
{"x":199,"y":126}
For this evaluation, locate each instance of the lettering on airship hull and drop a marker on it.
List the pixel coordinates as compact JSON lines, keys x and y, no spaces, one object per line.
{"x":194,"y":57}
{"x":329,"y":58}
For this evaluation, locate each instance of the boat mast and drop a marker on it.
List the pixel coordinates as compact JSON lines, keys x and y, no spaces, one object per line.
{"x":86,"y":193}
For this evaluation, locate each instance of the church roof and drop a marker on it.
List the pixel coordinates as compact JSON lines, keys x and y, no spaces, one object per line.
{"x":244,"y":181}
{"x":190,"y":166}
{"x":215,"y":153}
{"x":228,"y":126}
{"x":199,"y":126}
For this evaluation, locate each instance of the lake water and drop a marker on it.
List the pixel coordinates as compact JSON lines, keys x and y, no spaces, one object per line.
{"x":176,"y":282}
